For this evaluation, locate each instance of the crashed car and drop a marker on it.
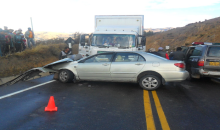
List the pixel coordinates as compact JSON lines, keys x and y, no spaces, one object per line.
{"x":147,"y":69}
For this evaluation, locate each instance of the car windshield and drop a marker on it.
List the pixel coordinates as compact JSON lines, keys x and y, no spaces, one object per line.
{"x":214,"y":51}
{"x":113,"y":40}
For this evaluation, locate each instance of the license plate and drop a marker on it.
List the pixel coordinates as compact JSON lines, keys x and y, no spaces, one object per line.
{"x":214,"y":63}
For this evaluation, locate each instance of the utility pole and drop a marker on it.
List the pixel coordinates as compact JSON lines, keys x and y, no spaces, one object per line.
{"x":32,"y":25}
{"x":32,"y":30}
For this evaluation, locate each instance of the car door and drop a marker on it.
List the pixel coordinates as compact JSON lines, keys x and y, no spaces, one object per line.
{"x":95,"y":68}
{"x":188,"y":53}
{"x":194,"y":59}
{"x":126,"y":65}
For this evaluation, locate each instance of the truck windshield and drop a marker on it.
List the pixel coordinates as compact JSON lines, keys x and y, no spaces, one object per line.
{"x":113,"y":40}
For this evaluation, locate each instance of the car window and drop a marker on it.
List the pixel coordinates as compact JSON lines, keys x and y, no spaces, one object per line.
{"x":184,"y":49}
{"x":99,"y":58}
{"x":213,"y":52}
{"x":140,"y":58}
{"x":128,"y":57}
{"x":197,"y":51}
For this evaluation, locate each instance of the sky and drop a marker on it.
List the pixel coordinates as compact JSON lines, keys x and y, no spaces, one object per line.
{"x":69,"y":16}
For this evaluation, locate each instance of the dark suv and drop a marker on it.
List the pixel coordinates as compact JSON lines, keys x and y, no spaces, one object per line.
{"x":204,"y":61}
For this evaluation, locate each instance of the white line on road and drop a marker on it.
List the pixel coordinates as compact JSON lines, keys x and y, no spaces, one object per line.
{"x":11,"y":94}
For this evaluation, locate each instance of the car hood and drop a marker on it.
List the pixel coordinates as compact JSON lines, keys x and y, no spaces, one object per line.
{"x":58,"y":62}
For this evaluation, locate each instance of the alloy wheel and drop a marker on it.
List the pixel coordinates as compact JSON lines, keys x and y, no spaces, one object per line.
{"x":150,"y":82}
{"x":63,"y":76}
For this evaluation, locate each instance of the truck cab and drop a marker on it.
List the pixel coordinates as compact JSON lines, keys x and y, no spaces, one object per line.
{"x":115,"y":33}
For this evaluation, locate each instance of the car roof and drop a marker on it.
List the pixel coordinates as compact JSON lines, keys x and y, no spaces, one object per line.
{"x":207,"y":45}
{"x":139,"y":52}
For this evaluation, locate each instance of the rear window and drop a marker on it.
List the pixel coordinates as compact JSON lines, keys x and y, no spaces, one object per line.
{"x":213,"y":51}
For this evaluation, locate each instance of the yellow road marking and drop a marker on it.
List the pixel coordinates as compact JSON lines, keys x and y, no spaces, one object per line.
{"x":162,"y":117}
{"x":148,"y":112}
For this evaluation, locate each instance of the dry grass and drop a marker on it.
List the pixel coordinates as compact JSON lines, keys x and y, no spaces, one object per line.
{"x":39,"y":56}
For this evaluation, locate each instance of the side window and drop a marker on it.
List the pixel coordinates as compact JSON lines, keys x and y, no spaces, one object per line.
{"x":99,"y":58}
{"x":141,"y":59}
{"x":197,"y":51}
{"x":128,"y":57}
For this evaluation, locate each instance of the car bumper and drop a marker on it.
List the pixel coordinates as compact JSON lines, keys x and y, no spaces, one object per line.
{"x":200,"y":72}
{"x":175,"y":76}
{"x":209,"y":73}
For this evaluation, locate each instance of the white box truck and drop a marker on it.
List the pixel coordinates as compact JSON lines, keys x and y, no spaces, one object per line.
{"x":114,"y":33}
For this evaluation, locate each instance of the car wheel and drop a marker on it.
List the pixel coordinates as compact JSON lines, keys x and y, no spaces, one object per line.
{"x":150,"y":82}
{"x":65,"y":76}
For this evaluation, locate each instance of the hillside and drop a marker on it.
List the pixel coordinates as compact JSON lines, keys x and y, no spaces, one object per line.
{"x":38,"y":56}
{"x":206,"y":31}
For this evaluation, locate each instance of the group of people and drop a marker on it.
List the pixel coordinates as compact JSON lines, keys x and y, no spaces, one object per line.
{"x":14,"y":40}
{"x":177,"y":55}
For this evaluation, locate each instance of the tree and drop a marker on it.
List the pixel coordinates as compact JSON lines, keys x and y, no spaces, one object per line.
{"x":149,"y":33}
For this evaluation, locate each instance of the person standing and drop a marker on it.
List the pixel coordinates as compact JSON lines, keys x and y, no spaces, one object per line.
{"x":12,"y":45}
{"x":5,"y":28}
{"x":177,"y":55}
{"x":2,"y":40}
{"x":65,"y":53}
{"x":29,"y":35}
{"x":18,"y":42}
{"x":162,"y":53}
{"x":24,"y":40}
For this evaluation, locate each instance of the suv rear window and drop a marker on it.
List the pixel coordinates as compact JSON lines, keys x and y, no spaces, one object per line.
{"x":213,"y":51}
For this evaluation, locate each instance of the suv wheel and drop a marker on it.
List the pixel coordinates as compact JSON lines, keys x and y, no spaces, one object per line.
{"x":150,"y":82}
{"x":65,"y":76}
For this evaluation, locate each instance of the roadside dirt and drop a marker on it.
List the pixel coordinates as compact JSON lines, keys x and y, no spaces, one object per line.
{"x":18,"y":63}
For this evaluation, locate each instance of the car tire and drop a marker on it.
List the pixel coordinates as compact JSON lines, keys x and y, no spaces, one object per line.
{"x":150,"y":82}
{"x":65,"y":76}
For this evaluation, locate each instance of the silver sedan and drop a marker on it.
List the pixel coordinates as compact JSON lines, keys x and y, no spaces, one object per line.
{"x":149,"y":70}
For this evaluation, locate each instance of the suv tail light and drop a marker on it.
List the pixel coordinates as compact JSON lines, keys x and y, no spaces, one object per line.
{"x":200,"y":63}
{"x":180,"y":65}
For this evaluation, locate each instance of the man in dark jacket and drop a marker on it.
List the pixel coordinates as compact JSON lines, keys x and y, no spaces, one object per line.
{"x":177,"y":55}
{"x":18,"y":42}
{"x":161,"y":52}
{"x":65,"y":53}
{"x":152,"y":50}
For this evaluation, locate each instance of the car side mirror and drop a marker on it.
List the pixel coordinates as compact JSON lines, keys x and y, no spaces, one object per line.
{"x":143,"y":41}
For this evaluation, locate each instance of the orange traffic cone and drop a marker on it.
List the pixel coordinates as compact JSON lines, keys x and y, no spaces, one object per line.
{"x":51,"y":105}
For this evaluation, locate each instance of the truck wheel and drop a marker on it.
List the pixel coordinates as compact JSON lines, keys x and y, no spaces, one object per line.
{"x":65,"y":76}
{"x":150,"y":82}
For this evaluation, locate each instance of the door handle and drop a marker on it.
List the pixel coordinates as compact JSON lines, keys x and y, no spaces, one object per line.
{"x":138,"y":64}
{"x":105,"y":64}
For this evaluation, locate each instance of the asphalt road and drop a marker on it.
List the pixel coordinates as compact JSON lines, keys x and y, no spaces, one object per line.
{"x":110,"y":106}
